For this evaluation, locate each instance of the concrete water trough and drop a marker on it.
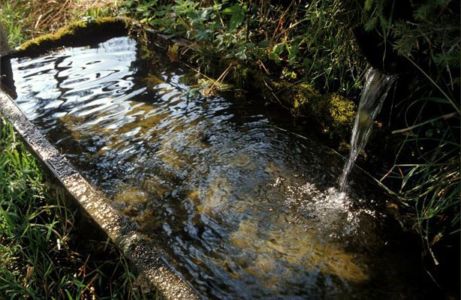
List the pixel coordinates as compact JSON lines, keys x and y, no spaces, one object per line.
{"x":151,"y":262}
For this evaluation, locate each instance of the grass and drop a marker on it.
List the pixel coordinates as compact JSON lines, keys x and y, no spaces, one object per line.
{"x":429,"y":179}
{"x":42,"y":254}
{"x":12,"y":20}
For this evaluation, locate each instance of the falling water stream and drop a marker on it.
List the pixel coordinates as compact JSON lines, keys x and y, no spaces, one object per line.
{"x":374,"y":93}
{"x":245,"y":206}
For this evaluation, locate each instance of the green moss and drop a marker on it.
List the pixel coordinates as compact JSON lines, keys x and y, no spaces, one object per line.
{"x":340,"y":109}
{"x":65,"y":31}
{"x":336,"y":115}
{"x":79,"y":32}
{"x":305,"y":96}
{"x":330,"y":114}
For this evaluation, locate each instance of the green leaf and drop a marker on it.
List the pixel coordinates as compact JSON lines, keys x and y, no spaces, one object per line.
{"x":237,"y":14}
{"x":296,"y":104}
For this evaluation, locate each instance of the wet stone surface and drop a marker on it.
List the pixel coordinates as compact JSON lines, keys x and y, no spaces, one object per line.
{"x":245,"y":208}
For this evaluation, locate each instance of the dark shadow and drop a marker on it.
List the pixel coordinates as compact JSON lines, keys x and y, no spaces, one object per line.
{"x":6,"y":76}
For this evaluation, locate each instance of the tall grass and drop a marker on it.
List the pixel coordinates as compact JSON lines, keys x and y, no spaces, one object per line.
{"x":42,"y":254}
{"x":12,"y":19}
{"x":427,"y":168}
{"x":427,"y":163}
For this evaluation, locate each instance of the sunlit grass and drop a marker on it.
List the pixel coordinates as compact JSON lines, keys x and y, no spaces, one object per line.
{"x":42,"y":255}
{"x":12,"y":19}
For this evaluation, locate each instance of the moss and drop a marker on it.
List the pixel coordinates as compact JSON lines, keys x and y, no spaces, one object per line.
{"x":339,"y":113}
{"x":65,"y":31}
{"x":305,"y":97}
{"x":77,"y":33}
{"x":330,"y":114}
{"x":340,"y":109}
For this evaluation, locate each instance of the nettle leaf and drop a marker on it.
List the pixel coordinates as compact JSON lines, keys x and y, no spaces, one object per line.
{"x":206,"y":13}
{"x":237,"y":14}
{"x":204,"y":35}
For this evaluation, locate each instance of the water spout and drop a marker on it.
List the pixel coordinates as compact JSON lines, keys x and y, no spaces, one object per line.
{"x":374,"y":93}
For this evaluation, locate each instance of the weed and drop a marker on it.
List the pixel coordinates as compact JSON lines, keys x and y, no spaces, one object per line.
{"x":42,"y":255}
{"x":26,"y":19}
{"x":295,"y":38}
{"x":12,"y":19}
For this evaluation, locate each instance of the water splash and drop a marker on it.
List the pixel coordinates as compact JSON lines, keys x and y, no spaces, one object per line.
{"x":374,"y":93}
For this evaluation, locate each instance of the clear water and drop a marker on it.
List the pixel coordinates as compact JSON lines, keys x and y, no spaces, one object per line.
{"x":377,"y":86}
{"x":245,"y":208}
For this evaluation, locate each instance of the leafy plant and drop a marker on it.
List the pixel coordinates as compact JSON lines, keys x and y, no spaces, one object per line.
{"x":296,"y":36}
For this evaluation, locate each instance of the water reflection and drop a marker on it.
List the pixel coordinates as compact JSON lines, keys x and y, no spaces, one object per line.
{"x":247,"y":209}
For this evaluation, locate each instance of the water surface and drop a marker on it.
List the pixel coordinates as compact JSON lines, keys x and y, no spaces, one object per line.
{"x":246,"y":208}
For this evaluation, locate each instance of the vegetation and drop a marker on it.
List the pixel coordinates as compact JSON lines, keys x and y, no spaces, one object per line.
{"x":426,"y":165}
{"x":273,"y":37}
{"x":42,"y":254}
